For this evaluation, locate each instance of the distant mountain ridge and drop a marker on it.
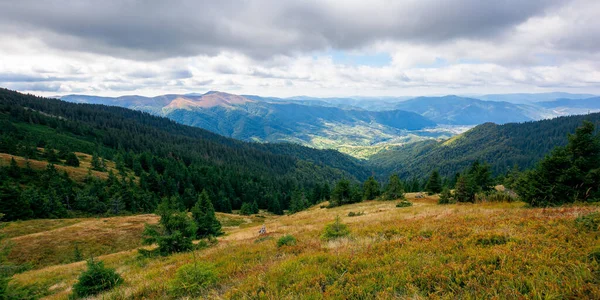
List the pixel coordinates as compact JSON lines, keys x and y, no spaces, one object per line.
{"x":457,"y":110}
{"x":360,"y":126}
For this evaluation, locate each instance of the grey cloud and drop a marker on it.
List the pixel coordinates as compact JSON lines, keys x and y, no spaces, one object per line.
{"x":150,"y":30}
{"x":35,"y":86}
{"x":13,"y":77}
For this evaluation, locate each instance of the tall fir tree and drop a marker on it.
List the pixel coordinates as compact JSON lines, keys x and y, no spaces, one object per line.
{"x":204,"y":216}
{"x":371,"y":189}
{"x":394,"y":189}
{"x":434,"y":184}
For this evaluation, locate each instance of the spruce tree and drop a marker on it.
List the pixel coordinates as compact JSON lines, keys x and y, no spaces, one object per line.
{"x":12,"y":205}
{"x":568,"y":174}
{"x":175,"y":231}
{"x":445,"y":196}
{"x":72,"y":160}
{"x":97,"y":164}
{"x":204,"y":216}
{"x":434,"y":185}
{"x":464,"y":191}
{"x":341,"y":193}
{"x":394,"y":189}
{"x":371,"y":189}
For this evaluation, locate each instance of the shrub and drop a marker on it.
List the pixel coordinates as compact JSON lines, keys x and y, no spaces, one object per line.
{"x":174,"y":233}
{"x":72,"y":160}
{"x":446,"y":197}
{"x":286,"y":240}
{"x":404,"y":203}
{"x":193,"y":279}
{"x":491,"y":240}
{"x":355,"y":214}
{"x":335,"y":230}
{"x":96,"y":279}
{"x":594,"y":255}
{"x":589,"y":222}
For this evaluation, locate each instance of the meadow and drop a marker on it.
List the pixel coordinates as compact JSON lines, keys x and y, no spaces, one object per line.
{"x":483,"y":250}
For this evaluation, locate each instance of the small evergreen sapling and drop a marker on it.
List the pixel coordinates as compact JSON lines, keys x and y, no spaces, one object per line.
{"x":97,"y":278}
{"x":335,"y":230}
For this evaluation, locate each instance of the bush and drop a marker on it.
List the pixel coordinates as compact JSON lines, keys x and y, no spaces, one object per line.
{"x":589,"y":222}
{"x":286,"y":240}
{"x":335,"y":230}
{"x":72,"y":160}
{"x":446,"y":197}
{"x":96,"y":279}
{"x":491,"y":240}
{"x":594,"y":255}
{"x":404,"y":203}
{"x":193,"y":279}
{"x":355,"y":214}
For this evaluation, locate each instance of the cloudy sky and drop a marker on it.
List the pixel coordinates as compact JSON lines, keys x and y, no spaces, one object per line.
{"x":304,"y":47}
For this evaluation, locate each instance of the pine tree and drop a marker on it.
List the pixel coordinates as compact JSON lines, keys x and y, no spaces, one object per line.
{"x":568,"y":174}
{"x":341,"y":193}
{"x":51,"y":155}
{"x":371,"y":189}
{"x":246,"y":209}
{"x":464,"y":191}
{"x":97,"y":164}
{"x":174,"y":233}
{"x":434,"y":185}
{"x":254,"y":207}
{"x":297,"y":202}
{"x":204,"y":216}
{"x":275,"y":207}
{"x":394,"y":188}
{"x":445,"y":196}
{"x":72,"y":160}
{"x":13,"y":169}
{"x":12,"y":205}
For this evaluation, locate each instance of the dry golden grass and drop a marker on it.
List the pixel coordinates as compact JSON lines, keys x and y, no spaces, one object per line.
{"x":93,"y":237}
{"x":492,"y":250}
{"x":75,"y":173}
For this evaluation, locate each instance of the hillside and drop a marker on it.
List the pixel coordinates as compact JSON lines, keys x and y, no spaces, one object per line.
{"x":313,"y":123}
{"x":469,"y":111}
{"x":171,"y":160}
{"x":502,"y":146}
{"x":425,"y":251}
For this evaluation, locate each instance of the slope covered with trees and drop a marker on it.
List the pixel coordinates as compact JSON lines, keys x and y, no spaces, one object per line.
{"x":502,"y":146}
{"x":169,"y":160}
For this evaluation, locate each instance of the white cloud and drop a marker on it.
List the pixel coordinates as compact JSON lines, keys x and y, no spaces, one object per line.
{"x":285,"y":48}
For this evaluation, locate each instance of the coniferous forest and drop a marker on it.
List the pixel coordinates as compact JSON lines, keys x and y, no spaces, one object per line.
{"x":154,"y":159}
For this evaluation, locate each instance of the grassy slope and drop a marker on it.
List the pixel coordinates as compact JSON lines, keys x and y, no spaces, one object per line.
{"x":426,"y":250}
{"x":75,"y":173}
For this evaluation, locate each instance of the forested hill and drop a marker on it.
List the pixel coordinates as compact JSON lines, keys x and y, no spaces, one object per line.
{"x":502,"y":146}
{"x":168,"y":159}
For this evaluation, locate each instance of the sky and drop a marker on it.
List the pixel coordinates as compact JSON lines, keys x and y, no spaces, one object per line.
{"x":305,"y":47}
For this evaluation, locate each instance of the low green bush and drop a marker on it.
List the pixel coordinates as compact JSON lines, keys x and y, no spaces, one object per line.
{"x":192,"y":280}
{"x":286,"y":240}
{"x":355,"y":214}
{"x":404,"y":203}
{"x":589,"y":222}
{"x":97,"y":278}
{"x":335,"y":230}
{"x":491,"y":240}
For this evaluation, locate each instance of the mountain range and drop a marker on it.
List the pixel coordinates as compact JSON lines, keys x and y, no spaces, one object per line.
{"x":359,"y":126}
